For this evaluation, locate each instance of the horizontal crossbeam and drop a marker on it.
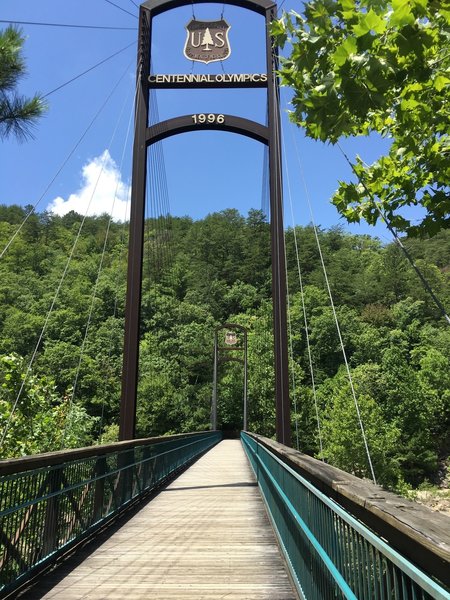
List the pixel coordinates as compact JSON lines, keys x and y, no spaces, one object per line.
{"x":204,"y":122}
{"x":159,"y":6}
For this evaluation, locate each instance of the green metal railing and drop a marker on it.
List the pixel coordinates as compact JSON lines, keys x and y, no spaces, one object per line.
{"x":51,"y":502}
{"x":330,"y":554}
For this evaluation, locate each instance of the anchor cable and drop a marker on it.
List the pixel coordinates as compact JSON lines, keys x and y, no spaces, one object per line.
{"x":397,"y":239}
{"x":333,"y":308}
{"x":122,"y":9}
{"x":102,"y":258}
{"x":291,"y":355}
{"x":62,"y":166}
{"x":88,"y":70}
{"x":302,"y":296}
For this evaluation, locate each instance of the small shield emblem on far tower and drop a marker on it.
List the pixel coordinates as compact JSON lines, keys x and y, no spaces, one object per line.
{"x":207,"y":41}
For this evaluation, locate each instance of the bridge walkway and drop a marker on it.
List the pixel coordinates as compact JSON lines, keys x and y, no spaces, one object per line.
{"x":205,"y":536}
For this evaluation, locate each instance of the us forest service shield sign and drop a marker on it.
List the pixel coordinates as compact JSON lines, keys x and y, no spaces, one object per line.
{"x":207,"y":41}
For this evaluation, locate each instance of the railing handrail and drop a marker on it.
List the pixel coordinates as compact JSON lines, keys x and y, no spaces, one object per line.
{"x":414,"y":530}
{"x":46,"y":459}
{"x":92,"y":480}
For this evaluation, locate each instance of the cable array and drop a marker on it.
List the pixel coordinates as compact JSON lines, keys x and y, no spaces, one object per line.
{"x":336,"y":320}
{"x":305,"y":318}
{"x":333,"y":308}
{"x":102,"y":257}
{"x":64,"y":273}
{"x":63,"y":164}
{"x":158,"y":256}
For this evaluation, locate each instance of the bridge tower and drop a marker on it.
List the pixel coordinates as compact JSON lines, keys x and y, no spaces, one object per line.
{"x":204,"y":36}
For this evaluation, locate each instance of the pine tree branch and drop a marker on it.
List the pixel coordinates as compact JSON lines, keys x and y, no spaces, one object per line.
{"x":18,"y":115}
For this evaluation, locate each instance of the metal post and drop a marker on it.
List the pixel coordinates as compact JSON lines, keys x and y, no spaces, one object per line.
{"x":214,"y":395}
{"x":283,"y":408}
{"x":245,"y":420}
{"x":135,"y":248}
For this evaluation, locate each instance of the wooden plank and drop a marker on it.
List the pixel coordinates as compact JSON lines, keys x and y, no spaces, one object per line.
{"x":205,"y":536}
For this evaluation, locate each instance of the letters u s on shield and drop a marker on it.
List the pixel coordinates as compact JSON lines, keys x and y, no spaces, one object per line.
{"x":207,"y":41}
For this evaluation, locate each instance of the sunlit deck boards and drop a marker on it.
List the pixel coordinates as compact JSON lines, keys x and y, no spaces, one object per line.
{"x":206,"y":536}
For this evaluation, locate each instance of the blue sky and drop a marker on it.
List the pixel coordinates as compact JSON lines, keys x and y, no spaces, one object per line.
{"x":206,"y":171}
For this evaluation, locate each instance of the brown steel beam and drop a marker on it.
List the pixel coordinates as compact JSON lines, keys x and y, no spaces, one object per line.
{"x":159,"y":6}
{"x":135,"y":247}
{"x":283,"y":407}
{"x":203,"y":85}
{"x":185,"y":123}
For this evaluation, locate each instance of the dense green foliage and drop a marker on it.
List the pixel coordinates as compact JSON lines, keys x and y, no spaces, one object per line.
{"x":208,"y":272}
{"x":17,"y":113}
{"x":364,"y":66}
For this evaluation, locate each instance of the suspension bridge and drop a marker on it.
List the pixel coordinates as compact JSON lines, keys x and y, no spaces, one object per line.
{"x":209,"y":514}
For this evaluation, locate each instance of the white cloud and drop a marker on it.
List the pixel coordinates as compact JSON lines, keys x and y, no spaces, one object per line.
{"x":102,"y":191}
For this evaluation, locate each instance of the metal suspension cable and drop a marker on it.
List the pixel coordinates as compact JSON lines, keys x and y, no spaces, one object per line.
{"x":397,"y":239}
{"x":154,"y":182}
{"x":262,"y":333}
{"x":70,"y":25}
{"x":155,"y":203}
{"x":163,"y":198}
{"x":266,"y":338}
{"x":165,"y":206}
{"x":151,"y":260}
{"x":121,"y":253}
{"x":157,"y":208}
{"x":122,"y":9}
{"x":302,"y":296}
{"x":265,"y":186}
{"x":100,"y":266}
{"x":291,"y":353}
{"x":281,"y":6}
{"x":265,"y":176}
{"x":291,"y":346}
{"x":116,"y":291}
{"x":161,"y":194}
{"x":333,"y":308}
{"x":88,"y":70}
{"x":153,"y":212}
{"x":151,"y":287}
{"x":114,"y":313}
{"x":60,"y":169}
{"x":52,"y":305}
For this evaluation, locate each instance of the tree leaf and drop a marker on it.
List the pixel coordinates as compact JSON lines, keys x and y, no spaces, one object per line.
{"x":440,"y":82}
{"x":344,"y":51}
{"x":375,"y":22}
{"x":402,"y":14}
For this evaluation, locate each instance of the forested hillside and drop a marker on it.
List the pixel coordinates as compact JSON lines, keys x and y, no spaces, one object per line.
{"x":62,"y":328}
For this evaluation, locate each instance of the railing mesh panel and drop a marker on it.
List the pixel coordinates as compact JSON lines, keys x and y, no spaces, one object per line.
{"x":43,"y":511}
{"x":331,"y":555}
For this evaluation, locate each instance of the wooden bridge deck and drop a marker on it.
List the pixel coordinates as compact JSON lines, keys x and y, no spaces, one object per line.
{"x":206,"y":536}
